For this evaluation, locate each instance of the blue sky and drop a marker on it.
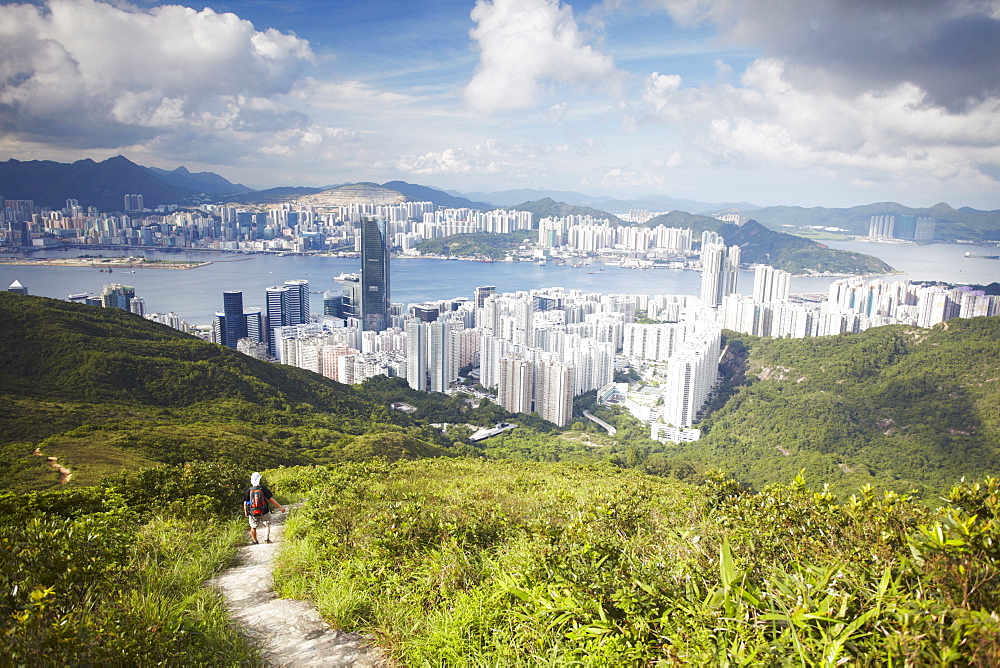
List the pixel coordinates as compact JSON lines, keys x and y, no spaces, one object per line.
{"x":827,"y":103}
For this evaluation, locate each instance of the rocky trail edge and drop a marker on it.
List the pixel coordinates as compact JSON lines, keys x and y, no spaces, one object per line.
{"x":291,"y":633}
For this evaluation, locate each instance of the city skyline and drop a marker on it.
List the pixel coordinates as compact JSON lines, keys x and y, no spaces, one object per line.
{"x":831,"y":104}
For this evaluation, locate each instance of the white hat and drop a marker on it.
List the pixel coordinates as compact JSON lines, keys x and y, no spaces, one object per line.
{"x":255,"y":478}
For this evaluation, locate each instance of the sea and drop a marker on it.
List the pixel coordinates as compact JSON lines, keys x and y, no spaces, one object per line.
{"x":196,"y":294}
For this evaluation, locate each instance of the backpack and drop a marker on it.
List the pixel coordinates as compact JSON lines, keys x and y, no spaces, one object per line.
{"x":258,"y":502}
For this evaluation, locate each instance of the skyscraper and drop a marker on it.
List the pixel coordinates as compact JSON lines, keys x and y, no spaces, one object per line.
{"x":770,"y":284}
{"x":374,"y":275}
{"x":720,"y":267}
{"x":116,"y":295}
{"x":416,"y":354}
{"x":482,"y":293}
{"x":236,"y":322}
{"x":287,"y":304}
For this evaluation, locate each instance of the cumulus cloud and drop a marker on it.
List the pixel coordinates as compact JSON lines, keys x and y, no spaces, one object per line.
{"x":950,"y":49}
{"x":352,"y":95}
{"x":524,"y":44}
{"x":897,"y":132}
{"x":511,"y":159}
{"x":86,"y":74}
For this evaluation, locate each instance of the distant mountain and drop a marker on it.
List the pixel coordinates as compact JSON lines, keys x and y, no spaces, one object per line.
{"x":101,"y":184}
{"x":512,"y":197}
{"x":418,"y":193}
{"x":664,"y":203}
{"x":964,"y":223}
{"x":549,"y":207}
{"x":649,"y":203}
{"x":272,"y":195}
{"x":203,"y":182}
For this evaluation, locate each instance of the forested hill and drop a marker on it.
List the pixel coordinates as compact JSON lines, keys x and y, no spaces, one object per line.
{"x":898,"y":407}
{"x":547,"y":206}
{"x":103,"y":389}
{"x":787,"y":252}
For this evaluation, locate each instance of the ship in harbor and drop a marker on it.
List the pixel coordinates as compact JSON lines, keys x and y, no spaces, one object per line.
{"x":982,"y":257}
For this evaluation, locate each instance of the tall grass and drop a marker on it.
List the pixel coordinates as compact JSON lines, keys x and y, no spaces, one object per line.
{"x":85,"y":579}
{"x":460,"y":562}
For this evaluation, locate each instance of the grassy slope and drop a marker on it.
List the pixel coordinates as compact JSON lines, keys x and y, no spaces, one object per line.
{"x":103,"y":389}
{"x":459,"y":562}
{"x":896,"y":407}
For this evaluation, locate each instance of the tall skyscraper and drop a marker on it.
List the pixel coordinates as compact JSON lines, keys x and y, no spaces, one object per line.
{"x":770,"y":284}
{"x":554,"y":391}
{"x":720,"y":268}
{"x":517,"y":379}
{"x":440,"y":356}
{"x":374,"y":275}
{"x":416,"y":355}
{"x":236,"y":322}
{"x":287,"y":304}
{"x":116,"y":295}
{"x":482,"y":293}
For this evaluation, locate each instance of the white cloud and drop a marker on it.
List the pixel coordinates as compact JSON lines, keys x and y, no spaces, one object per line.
{"x":624,"y":177}
{"x":87,"y":74}
{"x":509,"y":159}
{"x":948,"y":48}
{"x":893,"y":134}
{"x":346,"y":95}
{"x":525,"y":43}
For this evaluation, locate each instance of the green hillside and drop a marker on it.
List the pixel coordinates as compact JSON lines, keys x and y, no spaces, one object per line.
{"x":548,"y":207}
{"x":787,"y":252}
{"x":952,"y":223}
{"x":102,"y":389}
{"x":897,"y":407}
{"x":452,"y":560}
{"x":492,"y":246}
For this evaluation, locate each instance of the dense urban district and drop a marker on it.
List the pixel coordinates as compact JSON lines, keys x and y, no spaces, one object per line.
{"x":606,"y":535}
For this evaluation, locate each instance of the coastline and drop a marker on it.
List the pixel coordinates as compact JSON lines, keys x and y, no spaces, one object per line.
{"x":104,"y":263}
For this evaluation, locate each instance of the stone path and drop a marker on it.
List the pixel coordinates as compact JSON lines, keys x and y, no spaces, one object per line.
{"x":291,"y":633}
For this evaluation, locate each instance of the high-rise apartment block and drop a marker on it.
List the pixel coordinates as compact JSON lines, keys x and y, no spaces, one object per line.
{"x":720,"y":268}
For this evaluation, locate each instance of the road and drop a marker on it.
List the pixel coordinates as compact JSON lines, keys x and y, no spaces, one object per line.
{"x":611,"y":430}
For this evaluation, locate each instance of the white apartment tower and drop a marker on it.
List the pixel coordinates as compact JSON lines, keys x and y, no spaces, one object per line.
{"x":516,"y":384}
{"x":720,"y":268}
{"x":416,"y":355}
{"x":770,"y":284}
{"x":554,"y":391}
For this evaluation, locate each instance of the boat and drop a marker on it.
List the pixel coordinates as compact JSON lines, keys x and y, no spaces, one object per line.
{"x":982,"y":257}
{"x":348,"y":277}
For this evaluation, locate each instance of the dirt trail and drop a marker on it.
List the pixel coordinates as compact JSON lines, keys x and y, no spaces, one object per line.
{"x":64,"y":473}
{"x":291,"y":633}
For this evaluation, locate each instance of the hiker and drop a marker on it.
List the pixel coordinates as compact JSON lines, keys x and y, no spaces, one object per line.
{"x":257,"y":508}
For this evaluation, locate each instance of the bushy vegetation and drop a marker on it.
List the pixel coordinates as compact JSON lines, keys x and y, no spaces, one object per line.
{"x":103,"y":390}
{"x":113,"y":574}
{"x":492,"y":246}
{"x":499,"y":563}
{"x":900,"y":408}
